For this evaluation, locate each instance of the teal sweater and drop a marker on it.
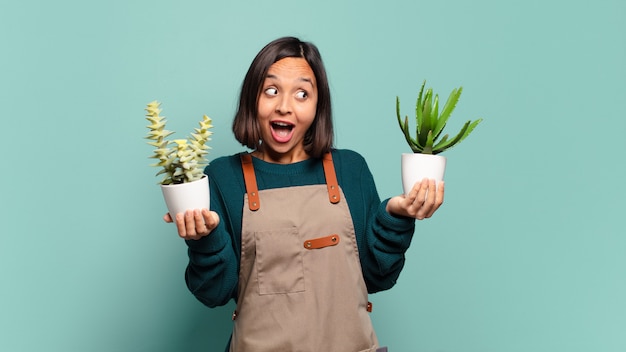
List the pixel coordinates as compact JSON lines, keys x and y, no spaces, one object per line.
{"x":212,"y":272}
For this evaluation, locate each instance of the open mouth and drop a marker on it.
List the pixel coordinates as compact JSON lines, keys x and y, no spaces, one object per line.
{"x":282,"y":131}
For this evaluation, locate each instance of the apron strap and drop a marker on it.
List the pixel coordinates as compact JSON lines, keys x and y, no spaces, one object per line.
{"x":250,"y":179}
{"x":253,"y":190}
{"x":331,"y":179}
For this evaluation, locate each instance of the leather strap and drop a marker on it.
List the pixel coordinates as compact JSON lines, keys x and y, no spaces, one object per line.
{"x":252,"y":189}
{"x":321,"y":242}
{"x":331,"y":179}
{"x":250,"y":179}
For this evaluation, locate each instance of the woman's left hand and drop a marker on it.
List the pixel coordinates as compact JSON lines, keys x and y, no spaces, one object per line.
{"x":421,"y":202}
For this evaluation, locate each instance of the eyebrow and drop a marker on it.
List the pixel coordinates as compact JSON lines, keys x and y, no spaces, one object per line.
{"x":302,"y":79}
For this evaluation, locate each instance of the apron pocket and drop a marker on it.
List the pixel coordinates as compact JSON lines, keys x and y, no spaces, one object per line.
{"x":278,"y":260}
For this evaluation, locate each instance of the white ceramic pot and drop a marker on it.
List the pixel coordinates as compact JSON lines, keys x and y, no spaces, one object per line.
{"x":416,"y":167}
{"x":189,"y":195}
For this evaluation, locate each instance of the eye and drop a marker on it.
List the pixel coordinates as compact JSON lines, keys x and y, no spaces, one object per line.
{"x":301,"y":95}
{"x":271,"y":91}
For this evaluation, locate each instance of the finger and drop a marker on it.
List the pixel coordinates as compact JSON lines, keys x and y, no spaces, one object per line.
{"x":429,"y":201}
{"x":190,"y":222}
{"x":438,"y":199}
{"x":422,"y":193}
{"x":412,"y":196}
{"x":432,"y":193}
{"x":167,"y":218}
{"x":440,"y":193}
{"x":435,"y":199}
{"x":211,"y":219}
{"x":180,"y":225}
{"x":200,"y":225}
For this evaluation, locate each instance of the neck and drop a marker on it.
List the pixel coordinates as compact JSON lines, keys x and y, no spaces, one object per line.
{"x":280,"y":158}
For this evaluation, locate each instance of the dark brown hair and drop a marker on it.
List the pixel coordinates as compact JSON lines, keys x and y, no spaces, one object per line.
{"x":319,"y":138}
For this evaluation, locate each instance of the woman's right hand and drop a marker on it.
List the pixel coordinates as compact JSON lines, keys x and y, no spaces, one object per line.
{"x":421,"y":202}
{"x":194,"y":224}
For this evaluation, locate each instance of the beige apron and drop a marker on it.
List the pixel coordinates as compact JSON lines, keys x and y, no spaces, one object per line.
{"x":300,"y":282}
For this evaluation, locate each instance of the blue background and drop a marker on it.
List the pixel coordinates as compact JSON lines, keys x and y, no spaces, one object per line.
{"x":527,"y":253}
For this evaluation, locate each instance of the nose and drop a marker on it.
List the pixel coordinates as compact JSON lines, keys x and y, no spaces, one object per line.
{"x":283,"y":106}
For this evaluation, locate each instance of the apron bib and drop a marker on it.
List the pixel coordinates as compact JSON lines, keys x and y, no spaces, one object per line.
{"x":301,"y":287}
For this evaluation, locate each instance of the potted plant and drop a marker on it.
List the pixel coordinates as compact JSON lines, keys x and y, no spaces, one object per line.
{"x":181,"y":161}
{"x":425,"y":162}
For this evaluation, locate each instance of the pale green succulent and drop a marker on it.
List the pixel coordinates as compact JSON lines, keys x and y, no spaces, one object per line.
{"x":430,"y":123}
{"x":187,"y":159}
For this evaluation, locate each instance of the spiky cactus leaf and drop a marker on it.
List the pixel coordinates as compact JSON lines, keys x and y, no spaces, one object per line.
{"x":428,"y":149}
{"x":184,"y":162}
{"x":434,"y":112}
{"x":426,"y":126}
{"x":159,"y":144}
{"x":430,"y":123}
{"x":161,"y":172}
{"x":467,"y":129}
{"x":440,"y":147}
{"x":405,"y":128}
{"x":470,"y":128}
{"x":419,"y":108}
{"x":156,"y":124}
{"x":449,"y":106}
{"x":158,"y":134}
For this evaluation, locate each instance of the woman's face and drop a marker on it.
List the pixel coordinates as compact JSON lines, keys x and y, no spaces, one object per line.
{"x":286,"y":109}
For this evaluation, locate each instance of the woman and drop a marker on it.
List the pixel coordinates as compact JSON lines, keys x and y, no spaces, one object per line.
{"x":297,"y":234}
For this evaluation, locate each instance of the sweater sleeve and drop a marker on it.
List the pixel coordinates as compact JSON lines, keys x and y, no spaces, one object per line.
{"x":388,"y":238}
{"x":212,"y":272}
{"x":382,"y":239}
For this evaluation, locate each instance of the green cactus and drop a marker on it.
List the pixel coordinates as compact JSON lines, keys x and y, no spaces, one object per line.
{"x":186,"y":160}
{"x":430,"y":124}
